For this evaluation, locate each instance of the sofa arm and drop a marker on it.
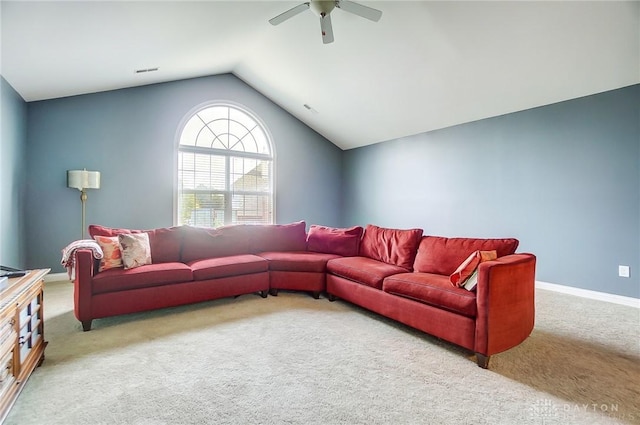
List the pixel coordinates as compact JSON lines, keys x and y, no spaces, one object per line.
{"x":85,"y":269}
{"x":506,"y":303}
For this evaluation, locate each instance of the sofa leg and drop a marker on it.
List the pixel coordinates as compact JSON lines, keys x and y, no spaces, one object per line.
{"x":273,"y":292}
{"x":86,"y":325}
{"x":331,"y":297}
{"x":483,"y":361}
{"x":263,"y":294}
{"x":316,"y":295}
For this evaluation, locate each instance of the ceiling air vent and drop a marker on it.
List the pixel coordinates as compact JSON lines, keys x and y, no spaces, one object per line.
{"x":142,"y":71}
{"x":310,"y":108}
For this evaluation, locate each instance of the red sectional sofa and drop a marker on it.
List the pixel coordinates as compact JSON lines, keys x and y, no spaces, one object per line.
{"x":397,"y":273}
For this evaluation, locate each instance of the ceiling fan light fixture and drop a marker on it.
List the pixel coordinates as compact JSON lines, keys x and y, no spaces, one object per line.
{"x":322,"y":7}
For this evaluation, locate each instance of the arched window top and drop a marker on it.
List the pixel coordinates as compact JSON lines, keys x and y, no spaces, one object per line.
{"x":225,"y":169}
{"x":226,"y":128}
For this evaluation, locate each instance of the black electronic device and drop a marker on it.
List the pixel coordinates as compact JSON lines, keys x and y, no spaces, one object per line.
{"x":10,"y":272}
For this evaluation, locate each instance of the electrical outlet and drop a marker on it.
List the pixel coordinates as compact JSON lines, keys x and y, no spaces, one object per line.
{"x":623,"y":271}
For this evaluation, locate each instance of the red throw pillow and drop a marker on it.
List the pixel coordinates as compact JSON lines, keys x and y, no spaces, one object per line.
{"x":332,"y":240}
{"x":469,"y":266}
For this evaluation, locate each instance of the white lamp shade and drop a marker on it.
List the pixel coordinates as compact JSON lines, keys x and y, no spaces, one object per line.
{"x":83,"y":179}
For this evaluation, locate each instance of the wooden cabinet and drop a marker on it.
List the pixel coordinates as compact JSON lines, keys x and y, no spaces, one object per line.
{"x":21,"y":334}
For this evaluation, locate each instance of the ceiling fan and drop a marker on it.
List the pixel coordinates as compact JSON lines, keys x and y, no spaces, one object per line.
{"x":323,"y":9}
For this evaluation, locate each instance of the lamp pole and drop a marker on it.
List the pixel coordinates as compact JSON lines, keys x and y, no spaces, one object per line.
{"x":83,"y":200}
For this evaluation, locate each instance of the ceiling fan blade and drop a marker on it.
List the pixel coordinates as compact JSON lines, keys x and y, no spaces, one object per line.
{"x":289,"y":14}
{"x":360,"y":10}
{"x":327,"y":29}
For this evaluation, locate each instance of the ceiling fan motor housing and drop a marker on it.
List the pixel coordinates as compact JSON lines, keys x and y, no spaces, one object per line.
{"x":322,"y":7}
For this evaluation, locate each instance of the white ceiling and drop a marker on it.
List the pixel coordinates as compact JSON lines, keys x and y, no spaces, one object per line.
{"x":425,"y":65}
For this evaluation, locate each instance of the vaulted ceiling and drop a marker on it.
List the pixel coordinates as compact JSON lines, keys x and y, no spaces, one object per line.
{"x":425,"y":65}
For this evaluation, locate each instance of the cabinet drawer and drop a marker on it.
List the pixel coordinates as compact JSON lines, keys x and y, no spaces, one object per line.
{"x":7,"y":330}
{"x":7,"y":377}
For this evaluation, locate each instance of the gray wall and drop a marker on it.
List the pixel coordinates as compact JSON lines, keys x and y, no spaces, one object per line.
{"x":130,"y":137}
{"x":13,"y":130}
{"x":564,"y":179}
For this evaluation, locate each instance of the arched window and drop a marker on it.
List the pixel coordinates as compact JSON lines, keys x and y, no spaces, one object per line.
{"x":225,"y":169}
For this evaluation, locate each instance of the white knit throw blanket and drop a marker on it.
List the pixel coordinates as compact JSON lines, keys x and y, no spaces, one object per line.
{"x":69,"y":258}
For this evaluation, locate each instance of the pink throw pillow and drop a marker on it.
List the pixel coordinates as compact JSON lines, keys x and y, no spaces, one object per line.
{"x":112,"y":256}
{"x":469,"y":266}
{"x":332,"y":240}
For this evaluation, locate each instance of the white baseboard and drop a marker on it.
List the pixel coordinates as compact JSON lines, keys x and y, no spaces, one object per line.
{"x":57,"y":277}
{"x":585,"y":293}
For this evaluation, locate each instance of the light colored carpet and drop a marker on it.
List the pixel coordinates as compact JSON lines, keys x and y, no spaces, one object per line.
{"x":295,"y":360}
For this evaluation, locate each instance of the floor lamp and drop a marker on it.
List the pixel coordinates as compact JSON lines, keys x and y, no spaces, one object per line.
{"x":83,"y":180}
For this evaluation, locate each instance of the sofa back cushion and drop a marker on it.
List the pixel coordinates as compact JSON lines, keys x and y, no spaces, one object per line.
{"x":278,"y":237}
{"x":331,"y":240}
{"x":442,"y":255}
{"x":391,"y":246}
{"x":205,"y":242}
{"x":97,"y":230}
{"x":165,"y":242}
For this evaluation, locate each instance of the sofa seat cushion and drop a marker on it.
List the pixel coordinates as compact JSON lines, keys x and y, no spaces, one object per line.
{"x":234,"y":265}
{"x":433,"y":289}
{"x":363,"y":270}
{"x":119,"y":279}
{"x":298,"y":261}
{"x":442,"y":255}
